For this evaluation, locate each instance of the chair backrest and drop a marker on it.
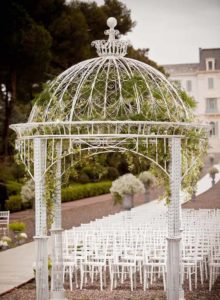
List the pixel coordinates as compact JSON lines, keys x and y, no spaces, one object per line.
{"x":4,"y":221}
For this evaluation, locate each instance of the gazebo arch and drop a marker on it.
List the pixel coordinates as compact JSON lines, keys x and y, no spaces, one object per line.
{"x":108,"y":103}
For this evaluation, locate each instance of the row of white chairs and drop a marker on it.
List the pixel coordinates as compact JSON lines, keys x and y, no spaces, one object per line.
{"x":134,"y":243}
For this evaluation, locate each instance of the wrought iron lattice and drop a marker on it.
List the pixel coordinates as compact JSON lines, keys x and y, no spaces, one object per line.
{"x":145,"y":138}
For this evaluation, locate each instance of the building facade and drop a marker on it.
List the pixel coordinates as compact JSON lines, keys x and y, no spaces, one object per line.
{"x":202,"y":82}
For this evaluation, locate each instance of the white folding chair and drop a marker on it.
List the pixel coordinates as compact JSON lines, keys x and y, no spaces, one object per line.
{"x":4,"y":221}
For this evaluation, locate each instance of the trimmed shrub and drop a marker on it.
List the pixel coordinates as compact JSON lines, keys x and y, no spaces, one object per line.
{"x":14,"y":203}
{"x":26,"y":205}
{"x":83,"y":178}
{"x":92,"y":173}
{"x":76,"y":192}
{"x":17,"y":226}
{"x":113,"y":173}
{"x":10,"y":171}
{"x":13,"y":187}
{"x":70,"y":193}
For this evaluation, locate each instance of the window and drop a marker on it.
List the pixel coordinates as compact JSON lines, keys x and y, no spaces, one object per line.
{"x":210,"y":83}
{"x":214,"y":129}
{"x":211,"y":105}
{"x":210,"y":64}
{"x":189,"y":85}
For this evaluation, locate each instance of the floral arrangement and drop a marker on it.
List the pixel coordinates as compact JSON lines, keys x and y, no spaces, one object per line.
{"x":126,"y":184}
{"x":147,"y":178}
{"x":6,"y":239}
{"x":3,"y":244}
{"x":213,"y":171}
{"x":22,"y":236}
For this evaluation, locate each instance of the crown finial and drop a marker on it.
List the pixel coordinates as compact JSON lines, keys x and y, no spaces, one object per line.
{"x":112,"y":46}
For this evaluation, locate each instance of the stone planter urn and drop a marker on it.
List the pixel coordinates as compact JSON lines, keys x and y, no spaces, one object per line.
{"x":213,"y":179}
{"x":193,"y":196}
{"x":212,"y":172}
{"x":146,"y":193}
{"x":128,"y":201}
{"x":148,"y":180}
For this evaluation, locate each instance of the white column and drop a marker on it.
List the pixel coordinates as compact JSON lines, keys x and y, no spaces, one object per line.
{"x":40,"y":220}
{"x":57,"y":290}
{"x":174,"y":289}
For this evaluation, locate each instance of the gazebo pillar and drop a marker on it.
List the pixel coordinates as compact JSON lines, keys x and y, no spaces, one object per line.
{"x":40,"y":220}
{"x":174,"y":288}
{"x":57,"y":290}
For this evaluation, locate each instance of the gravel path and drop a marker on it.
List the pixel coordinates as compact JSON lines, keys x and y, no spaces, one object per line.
{"x":155,"y":292}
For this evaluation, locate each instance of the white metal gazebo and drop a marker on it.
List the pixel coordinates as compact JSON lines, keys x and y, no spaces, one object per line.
{"x":105,"y":104}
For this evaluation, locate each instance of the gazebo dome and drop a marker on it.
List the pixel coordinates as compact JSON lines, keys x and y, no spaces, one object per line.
{"x":110,"y":87}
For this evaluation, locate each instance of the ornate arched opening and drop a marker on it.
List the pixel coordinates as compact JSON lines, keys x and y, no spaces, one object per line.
{"x":109,"y":103}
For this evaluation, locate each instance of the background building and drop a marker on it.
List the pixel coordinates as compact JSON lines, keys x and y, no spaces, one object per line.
{"x":202,"y":82}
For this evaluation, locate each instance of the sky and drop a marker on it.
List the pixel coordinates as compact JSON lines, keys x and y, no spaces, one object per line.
{"x":174,"y":30}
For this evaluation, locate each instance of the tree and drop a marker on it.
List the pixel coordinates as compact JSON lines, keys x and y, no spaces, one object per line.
{"x":142,"y":55}
{"x":24,"y":55}
{"x":70,"y":39}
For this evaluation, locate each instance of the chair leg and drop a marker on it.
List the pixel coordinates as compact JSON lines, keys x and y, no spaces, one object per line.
{"x":101,"y":283}
{"x":144,"y":278}
{"x":116,"y":272}
{"x":105,"y":284}
{"x":210,"y":278}
{"x":164,"y":279}
{"x":111,"y":278}
{"x":76,"y":277}
{"x":82,"y":277}
{"x":92,"y":274}
{"x":71,"y":278}
{"x":206,"y":269}
{"x":196,"y":276}
{"x":151,"y":274}
{"x":131,"y":279}
{"x":122,"y":274}
{"x":140,"y":273}
{"x":201,"y":272}
{"x":189,"y":277}
{"x":135,"y":278}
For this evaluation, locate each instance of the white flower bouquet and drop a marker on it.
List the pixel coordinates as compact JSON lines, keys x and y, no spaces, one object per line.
{"x":147,"y":178}
{"x":6,"y":239}
{"x":22,"y":236}
{"x":3,"y":244}
{"x":127,"y":184}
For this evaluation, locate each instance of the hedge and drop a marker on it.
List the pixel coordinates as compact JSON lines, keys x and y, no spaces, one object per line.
{"x":13,"y":188}
{"x":76,"y":192}
{"x":70,"y":193}
{"x":14,"y":203}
